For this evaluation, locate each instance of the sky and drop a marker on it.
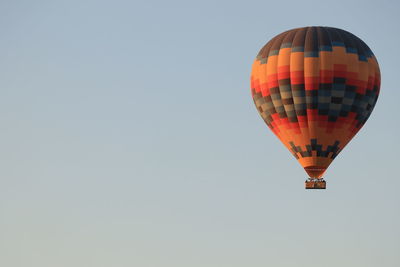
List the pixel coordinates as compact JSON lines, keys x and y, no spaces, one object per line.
{"x":129,"y":138}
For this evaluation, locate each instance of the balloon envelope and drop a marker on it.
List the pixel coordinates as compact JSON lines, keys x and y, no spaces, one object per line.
{"x":315,"y":87}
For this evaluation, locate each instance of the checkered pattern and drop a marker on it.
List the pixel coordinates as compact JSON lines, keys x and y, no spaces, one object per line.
{"x":330,"y":152}
{"x":315,"y":84}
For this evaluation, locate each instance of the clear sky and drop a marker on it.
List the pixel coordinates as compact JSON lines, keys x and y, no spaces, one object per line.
{"x":129,"y":138}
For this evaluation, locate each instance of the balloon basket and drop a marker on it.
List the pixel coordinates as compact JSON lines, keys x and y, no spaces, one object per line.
{"x":315,"y":184}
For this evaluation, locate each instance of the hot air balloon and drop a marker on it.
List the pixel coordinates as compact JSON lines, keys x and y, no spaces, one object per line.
{"x":315,"y":87}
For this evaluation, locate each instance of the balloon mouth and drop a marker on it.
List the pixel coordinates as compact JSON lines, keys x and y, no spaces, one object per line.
{"x":315,"y":172}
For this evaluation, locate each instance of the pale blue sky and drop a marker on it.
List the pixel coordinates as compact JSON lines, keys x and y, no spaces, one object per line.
{"x":129,"y":138}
